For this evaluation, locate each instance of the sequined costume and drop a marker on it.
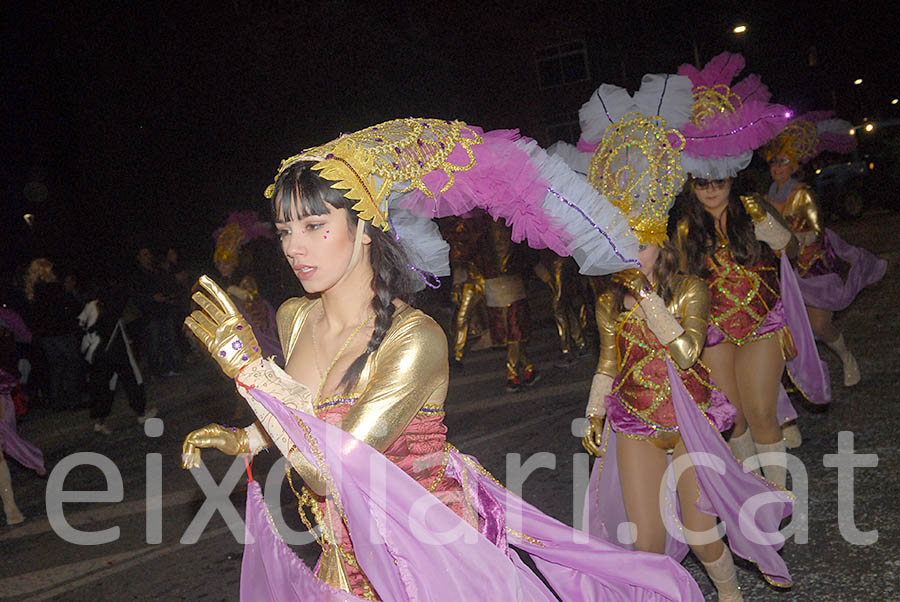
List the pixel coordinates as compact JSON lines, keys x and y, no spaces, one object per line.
{"x":645,"y":404}
{"x":509,"y":313}
{"x":397,"y":409}
{"x":640,"y":403}
{"x":745,"y":301}
{"x":569,"y":309}
{"x":465,"y":236}
{"x":842,"y":269}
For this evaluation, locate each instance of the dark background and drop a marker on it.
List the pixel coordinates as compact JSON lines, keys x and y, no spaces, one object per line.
{"x":147,"y":123}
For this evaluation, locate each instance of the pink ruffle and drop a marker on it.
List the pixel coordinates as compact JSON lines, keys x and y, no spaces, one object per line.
{"x":730,"y":134}
{"x":503,"y":182}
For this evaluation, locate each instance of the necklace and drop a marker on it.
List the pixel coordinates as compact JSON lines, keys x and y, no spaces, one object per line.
{"x":339,"y":353}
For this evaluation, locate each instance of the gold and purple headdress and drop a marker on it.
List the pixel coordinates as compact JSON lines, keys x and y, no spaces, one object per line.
{"x":810,"y":134}
{"x":403,"y":173}
{"x":728,"y":122}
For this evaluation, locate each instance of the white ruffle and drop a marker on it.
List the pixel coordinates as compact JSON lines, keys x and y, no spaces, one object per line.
{"x":420,"y":237}
{"x":574,"y":158}
{"x":664,"y":95}
{"x":601,"y":241}
{"x":834,"y":126}
{"x":715,"y":169}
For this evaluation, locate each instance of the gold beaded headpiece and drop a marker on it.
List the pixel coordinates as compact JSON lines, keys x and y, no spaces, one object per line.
{"x":798,"y":141}
{"x":388,"y":158}
{"x":637,"y":166}
{"x":712,"y":100}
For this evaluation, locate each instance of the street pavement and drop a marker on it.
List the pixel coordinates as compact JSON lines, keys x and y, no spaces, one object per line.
{"x":140,"y":563}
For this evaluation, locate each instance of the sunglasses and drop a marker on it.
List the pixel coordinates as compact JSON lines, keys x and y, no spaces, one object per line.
{"x":701,"y":184}
{"x":777,"y":162}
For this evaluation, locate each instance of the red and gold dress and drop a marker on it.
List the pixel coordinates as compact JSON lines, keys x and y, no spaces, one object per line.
{"x":640,"y":404}
{"x":745,"y":301}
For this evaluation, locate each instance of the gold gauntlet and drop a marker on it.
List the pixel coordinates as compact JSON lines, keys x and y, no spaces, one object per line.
{"x":221,"y":327}
{"x":754,"y":207}
{"x":634,"y":281}
{"x":228,"y":440}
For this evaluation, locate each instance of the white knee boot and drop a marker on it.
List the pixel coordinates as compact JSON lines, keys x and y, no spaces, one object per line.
{"x":774,"y":470}
{"x":742,"y":447}
{"x":851,"y":368}
{"x":724,"y":576}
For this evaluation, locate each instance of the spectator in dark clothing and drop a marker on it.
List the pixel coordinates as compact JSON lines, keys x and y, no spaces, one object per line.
{"x":157,"y":308}
{"x":107,"y":349}
{"x":54,"y":324}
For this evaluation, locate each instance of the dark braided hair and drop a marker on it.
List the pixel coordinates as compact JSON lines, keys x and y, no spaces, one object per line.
{"x":301,"y":192}
{"x":701,"y":235}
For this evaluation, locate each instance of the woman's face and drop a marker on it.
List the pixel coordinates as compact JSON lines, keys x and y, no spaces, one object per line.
{"x":712,"y":194}
{"x":781,"y":169}
{"x":317,"y":247}
{"x":647,"y":255}
{"x":226,"y":268}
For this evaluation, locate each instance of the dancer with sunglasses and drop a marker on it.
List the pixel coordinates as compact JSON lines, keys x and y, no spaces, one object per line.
{"x":731,"y":241}
{"x":823,"y":256}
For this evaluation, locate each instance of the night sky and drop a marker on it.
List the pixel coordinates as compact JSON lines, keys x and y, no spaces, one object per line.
{"x":148,"y":124}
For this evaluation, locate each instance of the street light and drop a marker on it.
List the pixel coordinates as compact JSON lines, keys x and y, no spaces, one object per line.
{"x":870,"y":127}
{"x":895,"y":101}
{"x":857,"y":81}
{"x":740,"y":29}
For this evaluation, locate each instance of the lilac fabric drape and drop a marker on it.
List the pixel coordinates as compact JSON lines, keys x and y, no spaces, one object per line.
{"x":413,"y":547}
{"x":829,"y":291}
{"x":25,"y":453}
{"x":807,"y":370}
{"x":725,"y":489}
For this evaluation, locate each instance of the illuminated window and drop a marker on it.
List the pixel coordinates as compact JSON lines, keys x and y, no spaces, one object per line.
{"x":563,"y":64}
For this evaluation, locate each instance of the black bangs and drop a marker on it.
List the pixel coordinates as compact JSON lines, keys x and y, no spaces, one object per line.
{"x":300,"y":192}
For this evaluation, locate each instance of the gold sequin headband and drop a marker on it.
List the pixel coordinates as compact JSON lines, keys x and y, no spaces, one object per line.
{"x":637,"y":166}
{"x":388,"y":158}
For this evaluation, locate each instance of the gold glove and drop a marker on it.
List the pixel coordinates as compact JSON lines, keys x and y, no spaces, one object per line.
{"x":221,"y":327}
{"x":593,"y":438}
{"x":634,"y":282}
{"x":754,"y":207}
{"x":228,"y":440}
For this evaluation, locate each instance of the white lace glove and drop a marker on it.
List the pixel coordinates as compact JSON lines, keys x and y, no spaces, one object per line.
{"x":601,"y":385}
{"x":662,"y":323}
{"x":772,"y":233}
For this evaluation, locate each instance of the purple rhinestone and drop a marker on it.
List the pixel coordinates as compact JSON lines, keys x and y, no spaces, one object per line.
{"x":255,"y":348}
{"x":237,"y":345}
{"x":329,"y":156}
{"x":396,"y":165}
{"x":245,"y":357}
{"x":379,"y":139}
{"x":421,"y":164}
{"x":427,"y":125}
{"x":222,"y":354}
{"x":442,"y":146}
{"x":397,"y":150}
{"x":239,"y":327}
{"x":419,"y":140}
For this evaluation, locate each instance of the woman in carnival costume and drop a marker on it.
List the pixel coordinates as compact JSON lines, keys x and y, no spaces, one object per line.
{"x":404,"y":515}
{"x":757,"y":321}
{"x":13,"y":329}
{"x":662,"y":411}
{"x":241,"y":228}
{"x":823,"y":256}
